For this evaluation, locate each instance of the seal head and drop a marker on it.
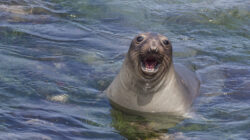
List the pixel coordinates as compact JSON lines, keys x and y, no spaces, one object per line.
{"x":151,"y":55}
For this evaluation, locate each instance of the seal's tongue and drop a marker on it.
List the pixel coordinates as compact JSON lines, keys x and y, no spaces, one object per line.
{"x":150,"y":63}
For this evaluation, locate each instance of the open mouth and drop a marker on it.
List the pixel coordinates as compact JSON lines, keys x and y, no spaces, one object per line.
{"x":150,"y":65}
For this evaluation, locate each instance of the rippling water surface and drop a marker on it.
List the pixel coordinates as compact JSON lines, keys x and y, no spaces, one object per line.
{"x":57,"y":56}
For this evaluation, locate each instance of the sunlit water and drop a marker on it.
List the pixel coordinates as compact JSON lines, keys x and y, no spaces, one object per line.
{"x":57,"y":56}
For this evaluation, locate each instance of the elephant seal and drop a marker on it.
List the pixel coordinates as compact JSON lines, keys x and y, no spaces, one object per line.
{"x":149,"y":81}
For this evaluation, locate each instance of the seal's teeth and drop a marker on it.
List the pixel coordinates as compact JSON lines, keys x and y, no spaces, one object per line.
{"x":150,"y":66}
{"x":149,"y":69}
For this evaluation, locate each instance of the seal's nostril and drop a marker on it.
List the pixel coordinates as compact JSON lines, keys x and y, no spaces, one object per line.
{"x":153,"y":49}
{"x":156,"y":50}
{"x":149,"y":50}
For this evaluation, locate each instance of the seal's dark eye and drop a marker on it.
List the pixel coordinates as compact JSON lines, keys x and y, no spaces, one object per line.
{"x":139,"y":38}
{"x":166,"y":42}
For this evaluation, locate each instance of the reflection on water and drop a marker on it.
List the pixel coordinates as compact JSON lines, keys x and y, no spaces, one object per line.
{"x":57,"y":56}
{"x":144,"y":126}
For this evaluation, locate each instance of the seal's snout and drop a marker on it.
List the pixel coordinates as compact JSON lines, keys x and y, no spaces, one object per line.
{"x":151,"y":59}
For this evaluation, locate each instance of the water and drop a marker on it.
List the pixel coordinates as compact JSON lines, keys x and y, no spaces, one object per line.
{"x":57,"y":56}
